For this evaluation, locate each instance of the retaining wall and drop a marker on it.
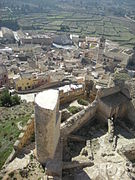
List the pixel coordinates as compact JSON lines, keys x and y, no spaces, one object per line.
{"x":22,"y":140}
{"x":25,"y":135}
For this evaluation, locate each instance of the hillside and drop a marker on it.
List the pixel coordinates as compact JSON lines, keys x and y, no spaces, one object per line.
{"x":115,"y":19}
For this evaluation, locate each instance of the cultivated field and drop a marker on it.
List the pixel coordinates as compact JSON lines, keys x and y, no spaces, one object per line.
{"x":117,"y":29}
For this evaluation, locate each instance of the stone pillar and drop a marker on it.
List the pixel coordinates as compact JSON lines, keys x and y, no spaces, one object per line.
{"x":47,"y":124}
{"x":110,"y":129}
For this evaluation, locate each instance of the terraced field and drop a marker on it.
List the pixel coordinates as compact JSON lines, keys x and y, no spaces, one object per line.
{"x":118,"y":29}
{"x":113,"y":18}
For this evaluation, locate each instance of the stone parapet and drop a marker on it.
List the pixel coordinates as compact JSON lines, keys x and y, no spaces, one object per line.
{"x":66,"y":97}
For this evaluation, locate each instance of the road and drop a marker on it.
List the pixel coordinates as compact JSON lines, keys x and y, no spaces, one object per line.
{"x":129,"y":18}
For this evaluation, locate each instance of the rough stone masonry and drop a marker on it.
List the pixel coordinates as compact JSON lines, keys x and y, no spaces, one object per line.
{"x":47,"y":124}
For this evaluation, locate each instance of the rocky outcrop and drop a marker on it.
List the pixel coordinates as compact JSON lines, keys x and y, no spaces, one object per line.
{"x":128,"y":150}
{"x":103,"y":171}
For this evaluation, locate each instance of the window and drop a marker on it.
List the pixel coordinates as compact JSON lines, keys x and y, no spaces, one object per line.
{"x":19,"y":88}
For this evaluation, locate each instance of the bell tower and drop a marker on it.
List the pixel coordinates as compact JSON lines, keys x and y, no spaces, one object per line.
{"x":101,"y":50}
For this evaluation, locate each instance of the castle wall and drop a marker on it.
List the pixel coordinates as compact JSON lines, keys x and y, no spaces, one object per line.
{"x":108,"y":91}
{"x":47,"y":124}
{"x":103,"y":111}
{"x":71,"y":95}
{"x":122,"y":112}
{"x":29,"y":129}
{"x":131,"y":112}
{"x":114,"y":105}
{"x":76,"y":121}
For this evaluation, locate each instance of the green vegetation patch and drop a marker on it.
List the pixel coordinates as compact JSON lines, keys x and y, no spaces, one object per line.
{"x":6,"y":100}
{"x":11,"y":119}
{"x":74,"y":109}
{"x":82,"y":102}
{"x":113,"y":28}
{"x":121,"y":77}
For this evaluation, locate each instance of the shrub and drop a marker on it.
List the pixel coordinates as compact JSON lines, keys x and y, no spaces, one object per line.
{"x":7,"y":100}
{"x":11,"y":138}
{"x":31,"y":157}
{"x":121,"y":76}
{"x":64,"y":28}
{"x":23,"y":173}
{"x":82,"y":102}
{"x":74,"y":109}
{"x":15,"y":100}
{"x":5,"y":134}
{"x":11,"y":174}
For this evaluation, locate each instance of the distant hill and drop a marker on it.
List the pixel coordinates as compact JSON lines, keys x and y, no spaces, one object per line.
{"x":115,"y":7}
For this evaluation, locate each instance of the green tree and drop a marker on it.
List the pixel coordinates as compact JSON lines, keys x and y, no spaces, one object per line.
{"x":64,"y":28}
{"x":7,"y":100}
{"x":15,"y":100}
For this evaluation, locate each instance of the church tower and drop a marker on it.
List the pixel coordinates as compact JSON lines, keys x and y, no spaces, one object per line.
{"x":101,"y":50}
